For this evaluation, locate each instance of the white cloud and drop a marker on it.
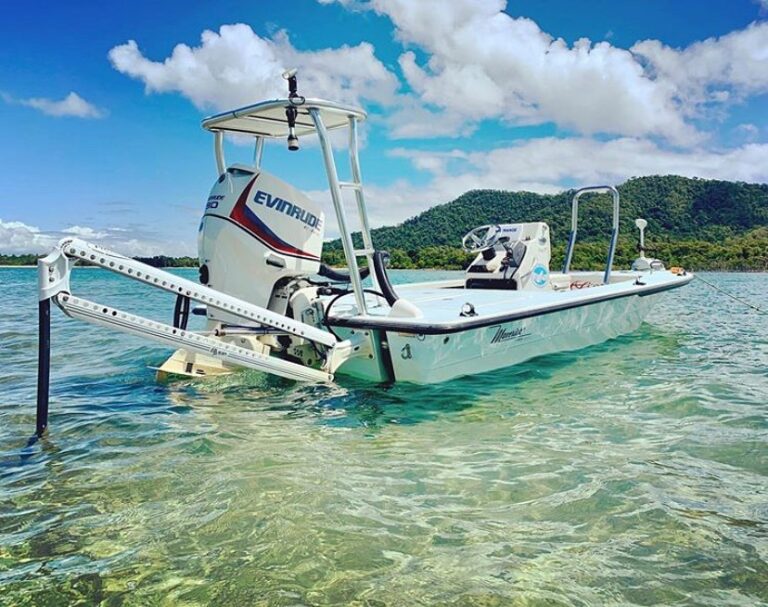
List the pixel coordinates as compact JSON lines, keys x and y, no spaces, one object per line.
{"x":748,"y":130}
{"x":85,"y":232}
{"x":17,"y":237}
{"x":72,"y":105}
{"x":479,"y":64}
{"x":235,"y":66}
{"x":717,"y":69}
{"x":413,"y":120}
{"x":589,"y":161}
{"x":483,"y":64}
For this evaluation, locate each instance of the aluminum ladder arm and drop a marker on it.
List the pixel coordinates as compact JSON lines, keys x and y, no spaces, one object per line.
{"x":83,"y":309}
{"x":335,"y":186}
{"x":53,"y":273}
{"x":54,"y":285}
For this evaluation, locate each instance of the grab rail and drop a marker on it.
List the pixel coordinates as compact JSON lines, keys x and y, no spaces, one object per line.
{"x":600,"y":189}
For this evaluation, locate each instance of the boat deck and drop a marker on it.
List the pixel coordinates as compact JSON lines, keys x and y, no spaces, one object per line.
{"x":441,"y":303}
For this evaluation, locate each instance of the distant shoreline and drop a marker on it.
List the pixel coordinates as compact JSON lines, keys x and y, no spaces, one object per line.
{"x":78,"y":267}
{"x":33,"y":267}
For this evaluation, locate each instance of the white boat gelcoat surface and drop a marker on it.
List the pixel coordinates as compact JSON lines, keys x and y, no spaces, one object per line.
{"x":553,"y":321}
{"x":435,"y":358}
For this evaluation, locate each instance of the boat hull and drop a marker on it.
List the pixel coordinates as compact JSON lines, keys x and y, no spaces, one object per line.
{"x":426,"y":359}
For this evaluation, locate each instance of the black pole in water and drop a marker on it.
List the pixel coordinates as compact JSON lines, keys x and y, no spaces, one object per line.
{"x":43,"y":364}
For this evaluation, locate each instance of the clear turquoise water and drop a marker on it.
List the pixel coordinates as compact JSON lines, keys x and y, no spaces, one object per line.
{"x":632,"y":473}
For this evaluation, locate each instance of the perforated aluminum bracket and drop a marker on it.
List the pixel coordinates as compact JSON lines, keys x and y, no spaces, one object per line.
{"x":53,"y":272}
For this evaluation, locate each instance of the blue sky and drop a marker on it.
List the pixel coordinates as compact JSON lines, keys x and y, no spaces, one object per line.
{"x":102,"y":137}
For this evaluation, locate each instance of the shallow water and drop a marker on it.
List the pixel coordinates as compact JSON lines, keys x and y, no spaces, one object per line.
{"x":631,"y":473}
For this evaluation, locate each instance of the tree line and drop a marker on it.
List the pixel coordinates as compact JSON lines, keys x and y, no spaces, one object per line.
{"x":157,"y":261}
{"x":741,"y":253}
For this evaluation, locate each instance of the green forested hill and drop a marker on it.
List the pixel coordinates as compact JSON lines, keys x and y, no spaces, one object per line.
{"x":701,"y":224}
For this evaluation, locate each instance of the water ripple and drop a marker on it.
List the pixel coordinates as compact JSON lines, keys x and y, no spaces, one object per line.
{"x":632,"y":473}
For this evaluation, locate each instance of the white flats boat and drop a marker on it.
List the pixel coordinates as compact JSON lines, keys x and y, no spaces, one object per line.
{"x":271,"y":304}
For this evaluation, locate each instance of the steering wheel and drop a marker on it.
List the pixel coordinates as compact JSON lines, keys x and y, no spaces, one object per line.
{"x":481,"y":238}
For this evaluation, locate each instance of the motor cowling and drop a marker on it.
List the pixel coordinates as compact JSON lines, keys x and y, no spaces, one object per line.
{"x":257,"y":233}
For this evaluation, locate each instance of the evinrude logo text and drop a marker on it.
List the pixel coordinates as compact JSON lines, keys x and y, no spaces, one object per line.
{"x":290,"y":209}
{"x":503,"y":334}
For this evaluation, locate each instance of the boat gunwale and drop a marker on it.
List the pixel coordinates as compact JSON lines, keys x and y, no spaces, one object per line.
{"x":419,"y":327}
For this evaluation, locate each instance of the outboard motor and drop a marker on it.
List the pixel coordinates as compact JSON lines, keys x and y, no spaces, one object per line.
{"x":511,"y":256}
{"x":257,"y":234}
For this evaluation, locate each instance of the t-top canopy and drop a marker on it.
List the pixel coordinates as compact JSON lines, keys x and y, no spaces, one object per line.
{"x":268,"y":119}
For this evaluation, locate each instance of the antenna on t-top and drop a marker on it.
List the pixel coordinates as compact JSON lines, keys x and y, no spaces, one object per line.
{"x":291,"y":112}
